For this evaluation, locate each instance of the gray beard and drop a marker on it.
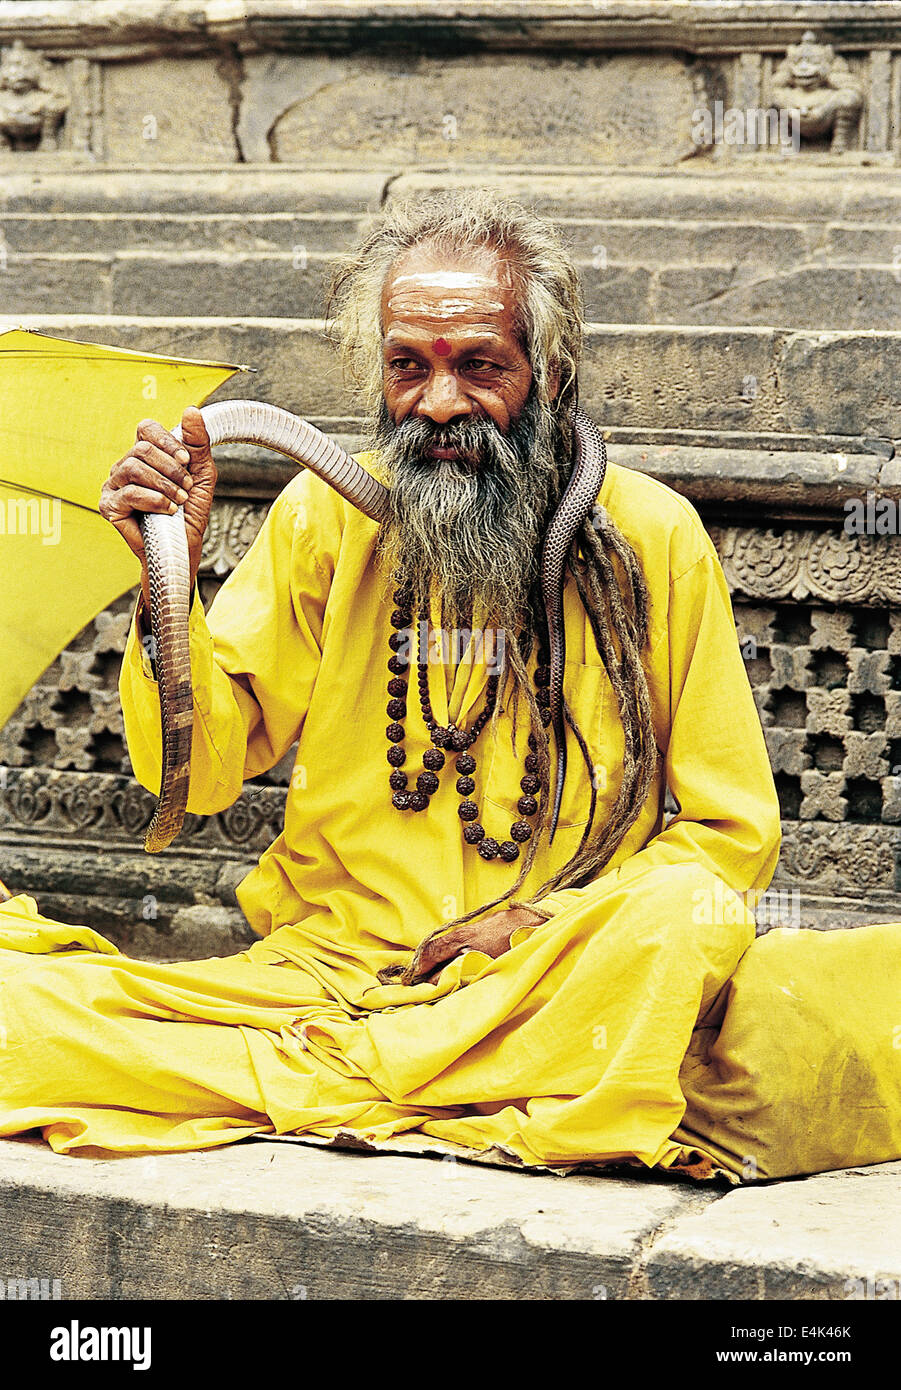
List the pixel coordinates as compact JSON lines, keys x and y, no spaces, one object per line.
{"x":466,"y":533}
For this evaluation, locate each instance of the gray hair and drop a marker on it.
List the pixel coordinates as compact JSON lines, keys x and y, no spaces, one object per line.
{"x":548,"y":313}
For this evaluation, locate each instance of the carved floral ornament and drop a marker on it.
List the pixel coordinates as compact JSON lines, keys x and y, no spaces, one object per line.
{"x":810,"y":564}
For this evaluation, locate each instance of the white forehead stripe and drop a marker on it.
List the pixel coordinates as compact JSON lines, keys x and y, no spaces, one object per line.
{"x":442,"y":308}
{"x":449,"y":280}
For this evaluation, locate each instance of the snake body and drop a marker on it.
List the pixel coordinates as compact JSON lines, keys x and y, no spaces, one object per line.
{"x":166,"y":548}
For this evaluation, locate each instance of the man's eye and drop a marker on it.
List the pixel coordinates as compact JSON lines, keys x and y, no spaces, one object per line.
{"x":403,"y":364}
{"x":481,"y":364}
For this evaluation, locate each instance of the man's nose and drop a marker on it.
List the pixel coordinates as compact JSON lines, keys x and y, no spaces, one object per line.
{"x":442,"y":400}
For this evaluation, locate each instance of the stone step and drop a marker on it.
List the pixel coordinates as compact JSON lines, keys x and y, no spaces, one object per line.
{"x":705,"y":382}
{"x":314,"y":1223}
{"x":295,"y":282}
{"x":814,"y":196}
{"x":765,"y":242}
{"x":198,"y":232}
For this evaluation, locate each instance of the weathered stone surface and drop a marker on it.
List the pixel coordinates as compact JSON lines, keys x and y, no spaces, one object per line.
{"x":579,"y":24}
{"x":869,"y":396}
{"x":204,"y":192}
{"x":834,"y":1236}
{"x":617,"y":293}
{"x":264,"y":284}
{"x":563,"y":111}
{"x":639,"y":376}
{"x":145,"y":109}
{"x":163,"y":233}
{"x":827,"y":296}
{"x":206,"y":930}
{"x":289,"y":1221}
{"x":695,"y":193}
{"x":38,"y":283}
{"x":646,"y":240}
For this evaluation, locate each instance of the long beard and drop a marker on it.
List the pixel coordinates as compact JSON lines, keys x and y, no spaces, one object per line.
{"x":466,"y":533}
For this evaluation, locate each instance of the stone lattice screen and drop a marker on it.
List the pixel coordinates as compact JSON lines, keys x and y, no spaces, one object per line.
{"x":819,"y":624}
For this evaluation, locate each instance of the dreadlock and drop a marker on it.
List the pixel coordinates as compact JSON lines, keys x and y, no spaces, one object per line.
{"x":604,"y":566}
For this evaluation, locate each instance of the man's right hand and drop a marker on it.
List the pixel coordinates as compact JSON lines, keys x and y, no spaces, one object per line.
{"x":160,"y":474}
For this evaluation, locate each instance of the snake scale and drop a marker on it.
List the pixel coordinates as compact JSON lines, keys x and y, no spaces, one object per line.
{"x":166,"y":548}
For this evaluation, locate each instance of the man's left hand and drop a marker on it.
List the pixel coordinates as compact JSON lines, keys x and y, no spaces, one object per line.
{"x":491,"y":935}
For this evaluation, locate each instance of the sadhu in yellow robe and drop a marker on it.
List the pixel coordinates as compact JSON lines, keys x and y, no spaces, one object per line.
{"x":603,"y":1034}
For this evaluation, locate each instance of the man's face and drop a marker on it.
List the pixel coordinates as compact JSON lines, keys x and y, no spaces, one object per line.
{"x":471,"y":456}
{"x":450,"y":349}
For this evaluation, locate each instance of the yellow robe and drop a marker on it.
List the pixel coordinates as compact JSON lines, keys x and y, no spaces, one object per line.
{"x":568,"y":1047}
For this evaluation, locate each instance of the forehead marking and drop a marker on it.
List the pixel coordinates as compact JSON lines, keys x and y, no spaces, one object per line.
{"x":442,"y":347}
{"x":407,"y":293}
{"x":449,"y":279}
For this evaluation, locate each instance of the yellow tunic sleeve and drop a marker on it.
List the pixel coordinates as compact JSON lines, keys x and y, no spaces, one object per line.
{"x":254,"y":656}
{"x":715,"y":757}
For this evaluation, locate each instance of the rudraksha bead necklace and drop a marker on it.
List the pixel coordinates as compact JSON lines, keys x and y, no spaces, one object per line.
{"x":459,"y":741}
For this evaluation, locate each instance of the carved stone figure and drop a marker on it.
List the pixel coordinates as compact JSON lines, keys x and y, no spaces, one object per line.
{"x":814,"y":81}
{"x":32,"y":103}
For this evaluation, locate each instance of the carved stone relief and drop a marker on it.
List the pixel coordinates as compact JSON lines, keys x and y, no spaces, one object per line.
{"x":33,"y":101}
{"x":815,"y":82}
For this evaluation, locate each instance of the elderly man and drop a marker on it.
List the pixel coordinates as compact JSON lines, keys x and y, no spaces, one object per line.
{"x":430,"y":959}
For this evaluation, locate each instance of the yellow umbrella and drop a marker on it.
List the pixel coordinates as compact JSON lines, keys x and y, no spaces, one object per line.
{"x":68,"y":410}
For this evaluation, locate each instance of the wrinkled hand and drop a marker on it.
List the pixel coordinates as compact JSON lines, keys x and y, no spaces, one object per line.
{"x":491,"y":935}
{"x":158,"y":475}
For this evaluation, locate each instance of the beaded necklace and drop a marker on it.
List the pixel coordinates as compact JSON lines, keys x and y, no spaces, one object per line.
{"x":455,"y":739}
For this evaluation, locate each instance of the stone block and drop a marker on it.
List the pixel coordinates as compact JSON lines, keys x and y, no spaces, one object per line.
{"x":829,"y":297}
{"x":830,"y":1237}
{"x":290,"y":1221}
{"x":684,"y":294}
{"x":232,"y":233}
{"x":893,"y":714}
{"x":865,"y":756}
{"x":861,"y":396}
{"x":854,"y":244}
{"x":167,"y":111}
{"x":204,"y":930}
{"x":686,"y":244}
{"x":831,"y":631}
{"x":467,"y":108}
{"x":823,"y":796}
{"x":786,"y":748}
{"x":204,"y":192}
{"x":255,"y":284}
{"x":755,"y":622}
{"x":36,"y":283}
{"x":653,"y":377}
{"x":868,"y":671}
{"x":617,"y":293}
{"x":791,"y":667}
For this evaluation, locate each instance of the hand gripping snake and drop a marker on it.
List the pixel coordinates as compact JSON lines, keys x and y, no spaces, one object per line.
{"x":166,"y":548}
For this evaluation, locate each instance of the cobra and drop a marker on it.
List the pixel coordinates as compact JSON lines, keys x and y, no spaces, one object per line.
{"x":166,"y":548}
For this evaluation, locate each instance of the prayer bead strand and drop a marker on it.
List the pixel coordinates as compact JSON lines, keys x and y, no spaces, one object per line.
{"x":458,"y":741}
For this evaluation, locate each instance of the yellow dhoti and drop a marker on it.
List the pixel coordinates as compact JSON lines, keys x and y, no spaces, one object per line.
{"x":566,"y":1048}
{"x":579,"y":1044}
